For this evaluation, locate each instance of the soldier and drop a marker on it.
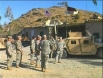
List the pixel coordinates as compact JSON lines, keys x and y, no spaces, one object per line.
{"x":19,"y":51}
{"x":60,"y":48}
{"x":9,"y":53}
{"x":53,"y":46}
{"x":32,"y":49}
{"x":38,"y":52}
{"x":45,"y":51}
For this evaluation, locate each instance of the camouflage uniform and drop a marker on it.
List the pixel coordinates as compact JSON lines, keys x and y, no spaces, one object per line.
{"x":9,"y":53}
{"x":45,"y":51}
{"x":38,"y":53}
{"x":18,"y":53}
{"x":53,"y":46}
{"x":32,"y":49}
{"x":60,"y":48}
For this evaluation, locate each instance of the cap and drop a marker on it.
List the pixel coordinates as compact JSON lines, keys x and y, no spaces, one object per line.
{"x":39,"y":36}
{"x":9,"y":36}
{"x":60,"y":37}
{"x":18,"y":36}
{"x":44,"y":35}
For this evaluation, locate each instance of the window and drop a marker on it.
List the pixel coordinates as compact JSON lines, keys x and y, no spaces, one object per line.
{"x":96,"y":35}
{"x":73,"y":42}
{"x":41,"y":33}
{"x":86,"y":42}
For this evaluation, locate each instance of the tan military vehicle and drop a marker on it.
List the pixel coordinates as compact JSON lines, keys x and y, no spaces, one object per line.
{"x":77,"y":44}
{"x":2,"y":43}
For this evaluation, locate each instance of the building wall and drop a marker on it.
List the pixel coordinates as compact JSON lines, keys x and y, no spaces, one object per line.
{"x":78,"y":28}
{"x":35,"y":31}
{"x":73,"y":12}
{"x":95,"y":28}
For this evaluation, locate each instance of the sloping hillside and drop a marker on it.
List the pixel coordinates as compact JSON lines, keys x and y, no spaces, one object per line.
{"x":36,"y":17}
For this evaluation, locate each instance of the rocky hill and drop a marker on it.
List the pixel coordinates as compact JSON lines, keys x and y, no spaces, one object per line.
{"x":36,"y":17}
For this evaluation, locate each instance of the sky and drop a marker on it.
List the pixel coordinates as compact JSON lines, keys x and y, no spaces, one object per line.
{"x":20,"y":7}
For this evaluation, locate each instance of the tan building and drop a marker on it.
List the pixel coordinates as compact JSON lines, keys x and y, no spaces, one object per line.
{"x":29,"y":32}
{"x":95,"y":28}
{"x":49,"y":29}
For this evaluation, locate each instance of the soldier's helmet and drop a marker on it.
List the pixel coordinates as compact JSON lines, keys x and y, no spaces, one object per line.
{"x":39,"y":36}
{"x":18,"y":36}
{"x":44,"y":36}
{"x":9,"y":37}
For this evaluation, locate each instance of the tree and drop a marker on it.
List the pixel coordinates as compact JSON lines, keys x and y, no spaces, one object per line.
{"x":63,"y":3}
{"x":76,"y":17}
{"x":66,"y":3}
{"x":95,"y":2}
{"x":5,"y":25}
{"x":9,"y":14}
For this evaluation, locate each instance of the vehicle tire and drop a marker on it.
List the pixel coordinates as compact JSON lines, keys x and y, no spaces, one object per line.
{"x":100,"y":53}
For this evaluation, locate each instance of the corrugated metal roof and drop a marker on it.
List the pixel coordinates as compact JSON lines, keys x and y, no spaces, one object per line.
{"x":94,"y":20}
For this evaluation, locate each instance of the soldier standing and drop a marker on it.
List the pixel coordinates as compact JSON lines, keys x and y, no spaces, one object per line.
{"x":38,"y":52}
{"x":9,"y":53}
{"x":60,"y":48}
{"x":53,"y":46}
{"x":32,"y":49}
{"x":45,"y":51}
{"x":19,"y":51}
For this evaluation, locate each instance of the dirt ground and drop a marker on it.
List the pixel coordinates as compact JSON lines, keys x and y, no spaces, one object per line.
{"x":71,"y":67}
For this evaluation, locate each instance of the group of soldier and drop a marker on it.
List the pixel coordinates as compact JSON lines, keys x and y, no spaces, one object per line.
{"x":40,"y":48}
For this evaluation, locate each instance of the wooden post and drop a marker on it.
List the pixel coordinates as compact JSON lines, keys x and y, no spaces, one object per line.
{"x":55,"y":29}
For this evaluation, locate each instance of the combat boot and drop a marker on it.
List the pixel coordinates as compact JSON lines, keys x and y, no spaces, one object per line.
{"x":42,"y":69}
{"x":59,"y":62}
{"x":37,"y":66}
{"x":45,"y":70}
{"x":32,"y":63}
{"x":55,"y":62}
{"x":17,"y":66}
{"x":8,"y":68}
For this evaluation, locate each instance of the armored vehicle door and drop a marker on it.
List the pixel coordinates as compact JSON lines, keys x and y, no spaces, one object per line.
{"x":87,"y":45}
{"x":74,"y":46}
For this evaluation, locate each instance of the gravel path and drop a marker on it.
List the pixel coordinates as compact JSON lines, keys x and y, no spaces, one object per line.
{"x":72,"y":67}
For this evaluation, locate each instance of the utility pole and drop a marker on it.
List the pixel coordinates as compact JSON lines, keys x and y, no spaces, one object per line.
{"x":55,"y":29}
{"x":66,"y":24}
{"x":66,"y":4}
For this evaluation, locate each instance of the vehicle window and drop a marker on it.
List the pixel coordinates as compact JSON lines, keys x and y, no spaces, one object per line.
{"x":73,"y":42}
{"x":86,"y":42}
{"x":96,"y":35}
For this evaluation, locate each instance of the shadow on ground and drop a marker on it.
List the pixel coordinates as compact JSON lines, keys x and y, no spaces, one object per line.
{"x":96,"y":63}
{"x":87,"y":59}
{"x":28,"y":66}
{"x":23,"y":65}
